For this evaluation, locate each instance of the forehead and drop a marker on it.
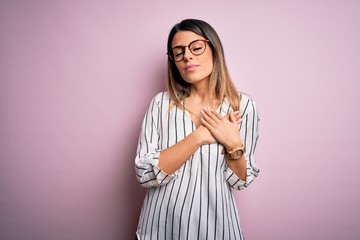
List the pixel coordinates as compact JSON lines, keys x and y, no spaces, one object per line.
{"x":183,"y":38}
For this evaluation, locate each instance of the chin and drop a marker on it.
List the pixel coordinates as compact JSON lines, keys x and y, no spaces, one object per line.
{"x":195,"y":79}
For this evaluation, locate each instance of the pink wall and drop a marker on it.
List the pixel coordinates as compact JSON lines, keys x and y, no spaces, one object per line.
{"x":76,"y":78}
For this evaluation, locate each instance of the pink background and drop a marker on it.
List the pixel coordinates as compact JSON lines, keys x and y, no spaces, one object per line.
{"x":76,"y":78}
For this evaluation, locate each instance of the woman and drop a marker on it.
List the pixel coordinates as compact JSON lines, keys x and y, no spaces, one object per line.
{"x":193,"y":147}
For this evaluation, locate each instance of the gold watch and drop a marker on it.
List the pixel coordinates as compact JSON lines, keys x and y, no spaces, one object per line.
{"x":235,"y":153}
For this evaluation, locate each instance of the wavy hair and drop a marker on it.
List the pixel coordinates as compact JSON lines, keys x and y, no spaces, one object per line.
{"x":220,"y":84}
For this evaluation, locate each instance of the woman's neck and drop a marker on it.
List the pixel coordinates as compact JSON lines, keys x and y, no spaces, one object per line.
{"x":201,"y":98}
{"x":201,"y":91}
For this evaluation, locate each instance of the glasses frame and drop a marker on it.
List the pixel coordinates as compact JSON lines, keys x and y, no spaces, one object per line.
{"x":183,"y":50}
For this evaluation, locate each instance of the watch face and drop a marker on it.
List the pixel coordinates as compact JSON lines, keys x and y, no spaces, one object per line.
{"x":237,"y":154}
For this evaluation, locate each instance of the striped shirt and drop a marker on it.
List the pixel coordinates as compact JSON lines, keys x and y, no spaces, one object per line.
{"x":195,"y":202}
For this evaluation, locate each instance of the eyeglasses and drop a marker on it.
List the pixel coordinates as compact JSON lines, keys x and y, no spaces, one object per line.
{"x":196,"y":47}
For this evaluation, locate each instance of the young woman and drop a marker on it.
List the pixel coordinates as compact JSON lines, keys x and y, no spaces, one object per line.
{"x":197,"y":142}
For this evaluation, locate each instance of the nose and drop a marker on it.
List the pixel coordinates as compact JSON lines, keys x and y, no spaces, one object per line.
{"x":187,"y":54}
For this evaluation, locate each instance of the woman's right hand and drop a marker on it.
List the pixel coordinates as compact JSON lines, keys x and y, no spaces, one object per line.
{"x":205,"y":135}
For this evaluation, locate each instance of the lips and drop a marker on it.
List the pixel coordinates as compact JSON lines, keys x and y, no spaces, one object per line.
{"x":190,"y":67}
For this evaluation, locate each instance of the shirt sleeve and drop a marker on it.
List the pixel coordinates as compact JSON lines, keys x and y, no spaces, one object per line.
{"x":249,"y":131}
{"x":148,"y":173}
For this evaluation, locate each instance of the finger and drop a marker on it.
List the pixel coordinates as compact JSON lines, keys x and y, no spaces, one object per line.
{"x":238,"y":118}
{"x":207,"y":116}
{"x":232,"y":117}
{"x":211,"y":114}
{"x":218,"y":115}
{"x":206,"y":124}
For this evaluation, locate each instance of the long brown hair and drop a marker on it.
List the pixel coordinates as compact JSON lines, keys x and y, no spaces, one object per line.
{"x":221,"y":84}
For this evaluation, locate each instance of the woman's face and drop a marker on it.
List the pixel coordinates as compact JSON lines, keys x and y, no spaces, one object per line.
{"x":193,"y":69}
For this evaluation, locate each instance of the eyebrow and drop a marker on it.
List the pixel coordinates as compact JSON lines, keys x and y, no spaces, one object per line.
{"x":181,"y":46}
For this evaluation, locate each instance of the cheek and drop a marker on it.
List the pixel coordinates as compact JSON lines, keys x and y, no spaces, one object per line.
{"x":209,"y":61}
{"x":179,"y":67}
{"x":210,"y":65}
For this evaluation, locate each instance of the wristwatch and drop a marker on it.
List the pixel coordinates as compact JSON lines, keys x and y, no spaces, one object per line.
{"x":235,"y":153}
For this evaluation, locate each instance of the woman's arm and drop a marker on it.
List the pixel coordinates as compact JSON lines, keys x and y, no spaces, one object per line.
{"x":225,"y":130}
{"x":241,"y":172}
{"x":155,"y":166}
{"x":172,"y":158}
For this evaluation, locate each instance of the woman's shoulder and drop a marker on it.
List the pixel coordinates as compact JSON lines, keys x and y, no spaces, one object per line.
{"x":245,"y":97}
{"x":161,"y":98}
{"x":247,"y":103}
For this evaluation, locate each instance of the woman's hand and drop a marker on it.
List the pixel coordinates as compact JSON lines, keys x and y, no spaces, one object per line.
{"x":205,"y":136}
{"x":223,"y":128}
{"x":237,"y":116}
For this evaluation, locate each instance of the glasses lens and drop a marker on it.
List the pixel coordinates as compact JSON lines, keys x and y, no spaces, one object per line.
{"x":177,"y":53}
{"x":197,"y":47}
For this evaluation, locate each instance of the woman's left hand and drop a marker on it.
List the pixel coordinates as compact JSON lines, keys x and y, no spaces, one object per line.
{"x":223,"y":128}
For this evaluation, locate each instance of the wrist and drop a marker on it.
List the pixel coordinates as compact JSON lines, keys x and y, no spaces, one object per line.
{"x":235,"y":152}
{"x":230,"y":146}
{"x":197,"y":137}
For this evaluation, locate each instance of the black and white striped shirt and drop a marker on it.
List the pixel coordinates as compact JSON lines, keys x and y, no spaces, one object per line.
{"x":196,"y":201}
